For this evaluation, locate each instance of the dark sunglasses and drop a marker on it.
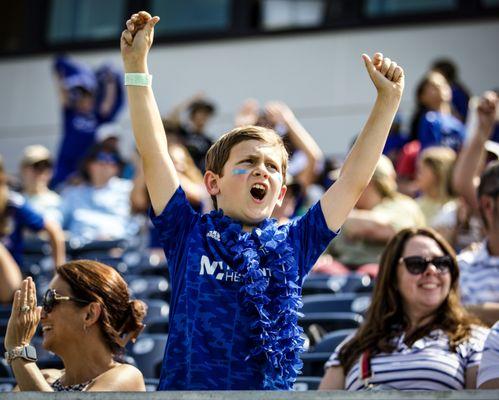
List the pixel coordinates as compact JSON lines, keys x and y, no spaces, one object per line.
{"x":417,"y":265}
{"x":42,"y":165}
{"x":51,"y":298}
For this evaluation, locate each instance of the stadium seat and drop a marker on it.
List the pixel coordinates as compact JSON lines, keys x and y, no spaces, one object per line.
{"x":5,"y":311}
{"x":148,"y":353}
{"x":340,"y":302}
{"x":151,"y":384}
{"x":148,"y":264}
{"x":331,"y":321}
{"x":7,"y":384}
{"x":148,"y":287}
{"x":156,"y":309}
{"x":304,"y":383}
{"x":3,"y":326}
{"x":157,"y":325}
{"x":352,"y":283}
{"x":314,"y":359}
{"x":5,"y":370}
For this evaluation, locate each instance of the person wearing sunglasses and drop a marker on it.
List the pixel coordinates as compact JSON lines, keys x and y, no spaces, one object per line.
{"x":36,"y":169}
{"x":416,"y":335}
{"x":87,"y":318}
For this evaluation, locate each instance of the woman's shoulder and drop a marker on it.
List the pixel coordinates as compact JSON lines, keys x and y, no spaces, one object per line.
{"x":121,"y":377}
{"x":479,"y":332}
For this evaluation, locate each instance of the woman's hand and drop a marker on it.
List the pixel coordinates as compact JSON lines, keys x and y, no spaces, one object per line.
{"x":24,"y":317}
{"x":386,"y":74}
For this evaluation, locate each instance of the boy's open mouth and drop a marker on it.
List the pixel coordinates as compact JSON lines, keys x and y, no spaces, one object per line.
{"x":258,"y":191}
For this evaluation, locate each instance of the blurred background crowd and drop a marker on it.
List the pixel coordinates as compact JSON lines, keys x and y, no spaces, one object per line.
{"x":85,"y":197}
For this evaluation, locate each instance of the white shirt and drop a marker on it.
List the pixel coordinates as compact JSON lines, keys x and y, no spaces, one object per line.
{"x":428,"y":365}
{"x":479,"y":279}
{"x":489,"y":367}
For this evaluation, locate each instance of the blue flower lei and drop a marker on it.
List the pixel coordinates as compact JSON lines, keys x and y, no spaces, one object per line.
{"x":274,"y":299}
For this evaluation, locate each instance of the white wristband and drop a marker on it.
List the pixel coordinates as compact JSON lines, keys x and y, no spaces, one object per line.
{"x":138,"y":79}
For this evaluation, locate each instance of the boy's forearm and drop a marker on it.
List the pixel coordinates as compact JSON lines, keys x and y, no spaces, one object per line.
{"x":361,"y":162}
{"x":146,"y":121}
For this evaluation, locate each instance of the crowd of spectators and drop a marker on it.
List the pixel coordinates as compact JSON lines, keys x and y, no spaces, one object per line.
{"x":433,"y":195}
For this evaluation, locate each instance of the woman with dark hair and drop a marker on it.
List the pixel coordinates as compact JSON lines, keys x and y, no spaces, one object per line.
{"x":417,"y":335}
{"x":87,"y":318}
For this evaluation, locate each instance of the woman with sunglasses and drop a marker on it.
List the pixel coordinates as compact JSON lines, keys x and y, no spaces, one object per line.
{"x":87,"y":318}
{"x":417,"y":335}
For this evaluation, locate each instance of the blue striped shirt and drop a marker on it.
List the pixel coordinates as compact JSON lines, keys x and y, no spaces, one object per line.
{"x":479,"y":276}
{"x":489,"y":367}
{"x":428,"y":365}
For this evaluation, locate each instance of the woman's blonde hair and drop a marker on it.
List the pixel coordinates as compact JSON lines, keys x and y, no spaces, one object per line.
{"x":441,"y":161}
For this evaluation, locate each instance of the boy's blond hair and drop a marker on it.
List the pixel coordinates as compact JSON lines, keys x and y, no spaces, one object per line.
{"x":219,"y":152}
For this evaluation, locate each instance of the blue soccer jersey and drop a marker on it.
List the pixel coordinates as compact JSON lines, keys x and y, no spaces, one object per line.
{"x":235,"y":295}
{"x":21,"y":216}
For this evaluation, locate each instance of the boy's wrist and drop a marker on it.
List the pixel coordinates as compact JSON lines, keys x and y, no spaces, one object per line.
{"x":390,"y":97}
{"x":136,"y":67}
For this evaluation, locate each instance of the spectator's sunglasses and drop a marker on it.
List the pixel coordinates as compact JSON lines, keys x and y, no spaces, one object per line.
{"x":417,"y":265}
{"x":51,"y":298}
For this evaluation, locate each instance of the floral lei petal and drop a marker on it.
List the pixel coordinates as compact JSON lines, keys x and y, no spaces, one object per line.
{"x":275,"y":331}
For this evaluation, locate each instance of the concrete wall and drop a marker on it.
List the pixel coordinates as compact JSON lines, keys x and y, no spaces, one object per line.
{"x":320,"y":75}
{"x":251,"y":395}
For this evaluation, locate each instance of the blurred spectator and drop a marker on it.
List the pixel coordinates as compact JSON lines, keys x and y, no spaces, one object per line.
{"x":109,"y":136}
{"x":434,"y":181}
{"x":36,"y":172}
{"x":488,"y":374}
{"x":460,"y":94}
{"x":415,"y":320}
{"x":306,"y":158}
{"x":88,"y":99}
{"x":480,"y":265}
{"x":438,"y":127}
{"x":10,"y":276}
{"x":16,"y":215}
{"x":380,"y":212}
{"x":471,"y":160}
{"x":287,"y":210}
{"x":193,"y":131}
{"x":395,"y":141}
{"x":99,"y":208}
{"x":87,"y":318}
{"x":191,"y":181}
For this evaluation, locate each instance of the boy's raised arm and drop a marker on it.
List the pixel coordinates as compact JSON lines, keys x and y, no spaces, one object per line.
{"x":159,"y":171}
{"x":338,"y":201}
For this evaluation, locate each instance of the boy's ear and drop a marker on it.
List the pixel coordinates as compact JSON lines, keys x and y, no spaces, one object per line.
{"x":281,"y":195}
{"x":211,"y":183}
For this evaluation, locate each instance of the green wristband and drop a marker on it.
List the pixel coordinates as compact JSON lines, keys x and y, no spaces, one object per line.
{"x":138,"y":79}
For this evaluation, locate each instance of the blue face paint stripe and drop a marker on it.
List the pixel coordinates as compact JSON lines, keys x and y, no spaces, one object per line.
{"x":239,"y":171}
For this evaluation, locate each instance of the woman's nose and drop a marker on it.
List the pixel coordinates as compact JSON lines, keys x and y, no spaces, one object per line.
{"x":431,"y":269}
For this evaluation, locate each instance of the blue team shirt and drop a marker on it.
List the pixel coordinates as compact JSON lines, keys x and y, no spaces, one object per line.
{"x":437,"y":129}
{"x":209,"y":338}
{"x":20,"y":215}
{"x":79,"y":128}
